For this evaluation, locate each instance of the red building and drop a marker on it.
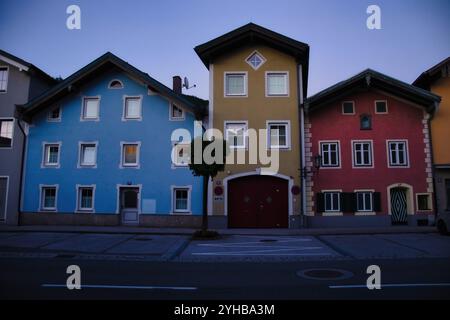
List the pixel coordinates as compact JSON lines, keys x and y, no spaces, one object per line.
{"x":370,"y":134}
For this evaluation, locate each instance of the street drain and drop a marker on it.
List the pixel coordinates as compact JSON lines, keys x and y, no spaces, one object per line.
{"x":65,"y":256}
{"x":325,"y":274}
{"x":268,"y":240}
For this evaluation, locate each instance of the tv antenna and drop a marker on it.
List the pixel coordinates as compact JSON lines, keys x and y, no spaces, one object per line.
{"x":186,"y":84}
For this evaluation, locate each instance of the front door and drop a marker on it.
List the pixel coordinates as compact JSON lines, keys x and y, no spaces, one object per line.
{"x":129,"y":205}
{"x":258,"y":202}
{"x":399,"y":206}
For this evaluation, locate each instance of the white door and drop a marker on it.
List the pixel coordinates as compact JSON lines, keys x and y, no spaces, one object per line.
{"x":129,"y":205}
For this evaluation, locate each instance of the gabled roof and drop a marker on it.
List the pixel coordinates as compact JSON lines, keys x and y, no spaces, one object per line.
{"x":28,"y":66}
{"x":105,"y":62}
{"x":372,"y":79}
{"x":431,"y":75}
{"x":254,"y":34}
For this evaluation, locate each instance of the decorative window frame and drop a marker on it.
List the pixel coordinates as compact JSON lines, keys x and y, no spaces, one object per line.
{"x":44,"y":163}
{"x":283,"y":95}
{"x":354,"y":108}
{"x":375,"y":107}
{"x":124,"y":107}
{"x":388,"y":154}
{"x":372,"y":156}
{"x":137,"y":165}
{"x":245,"y":94}
{"x":287,"y":123}
{"x":78,"y":208}
{"x":80,"y":145}
{"x":263,"y":59}
{"x":113,"y":80}
{"x":83,"y":99}
{"x":188,"y":211}
{"x":332,"y":213}
{"x":328,"y":167}
{"x":226,"y":122}
{"x":41,"y":198}
{"x":365,"y":212}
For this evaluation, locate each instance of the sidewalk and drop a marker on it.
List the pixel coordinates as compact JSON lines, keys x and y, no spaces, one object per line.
{"x":188,"y":231}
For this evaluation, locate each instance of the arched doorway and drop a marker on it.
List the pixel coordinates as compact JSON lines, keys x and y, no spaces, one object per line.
{"x":258,"y":201}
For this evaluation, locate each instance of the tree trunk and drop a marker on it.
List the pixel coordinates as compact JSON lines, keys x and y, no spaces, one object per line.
{"x":205,"y":204}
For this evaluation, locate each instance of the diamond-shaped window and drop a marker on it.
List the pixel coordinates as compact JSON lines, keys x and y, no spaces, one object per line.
{"x":255,"y":60}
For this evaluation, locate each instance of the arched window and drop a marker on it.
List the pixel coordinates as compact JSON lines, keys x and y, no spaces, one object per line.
{"x":366,"y":122}
{"x":115,"y":84}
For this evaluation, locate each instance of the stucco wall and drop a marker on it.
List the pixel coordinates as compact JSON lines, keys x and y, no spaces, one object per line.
{"x":440,"y":128}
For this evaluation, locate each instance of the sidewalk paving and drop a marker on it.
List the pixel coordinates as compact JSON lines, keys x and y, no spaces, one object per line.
{"x":190,"y":231}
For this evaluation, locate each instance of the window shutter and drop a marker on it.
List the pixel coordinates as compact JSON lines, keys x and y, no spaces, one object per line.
{"x":320,"y":202}
{"x":348,"y":202}
{"x":377,"y":201}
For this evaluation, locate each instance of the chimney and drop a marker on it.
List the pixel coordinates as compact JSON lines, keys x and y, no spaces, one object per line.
{"x":177,"y":84}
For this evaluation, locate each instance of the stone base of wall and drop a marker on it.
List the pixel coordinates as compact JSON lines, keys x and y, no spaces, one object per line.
{"x":364,"y":221}
{"x":73,"y":219}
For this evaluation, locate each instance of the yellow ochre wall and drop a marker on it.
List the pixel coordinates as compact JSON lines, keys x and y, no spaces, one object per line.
{"x":440,"y":125}
{"x":256,"y":108}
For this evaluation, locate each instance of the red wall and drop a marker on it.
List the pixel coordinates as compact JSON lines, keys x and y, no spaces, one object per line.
{"x":403,"y":121}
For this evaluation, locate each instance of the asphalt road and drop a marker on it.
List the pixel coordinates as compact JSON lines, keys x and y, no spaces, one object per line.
{"x":45,"y":278}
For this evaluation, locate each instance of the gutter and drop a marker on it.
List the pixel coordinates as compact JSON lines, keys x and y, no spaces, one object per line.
{"x":302,"y":146}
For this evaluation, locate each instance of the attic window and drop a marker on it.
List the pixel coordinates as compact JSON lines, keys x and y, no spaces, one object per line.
{"x":115,"y":84}
{"x":255,"y":60}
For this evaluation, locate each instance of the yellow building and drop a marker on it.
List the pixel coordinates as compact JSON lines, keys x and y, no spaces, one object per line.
{"x":437,"y":80}
{"x":258,"y":79}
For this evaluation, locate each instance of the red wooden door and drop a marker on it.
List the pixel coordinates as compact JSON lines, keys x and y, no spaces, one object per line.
{"x":258,"y":202}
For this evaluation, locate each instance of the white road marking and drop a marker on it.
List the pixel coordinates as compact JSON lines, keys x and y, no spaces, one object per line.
{"x":251,"y":242}
{"x":393,"y":285}
{"x":100,"y":286}
{"x":260,"y":254}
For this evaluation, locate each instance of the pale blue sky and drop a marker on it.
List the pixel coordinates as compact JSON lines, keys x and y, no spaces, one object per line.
{"x":158,"y":37}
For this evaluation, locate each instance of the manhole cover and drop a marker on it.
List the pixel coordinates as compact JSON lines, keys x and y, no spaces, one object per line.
{"x":268,"y":240}
{"x":325,"y":274}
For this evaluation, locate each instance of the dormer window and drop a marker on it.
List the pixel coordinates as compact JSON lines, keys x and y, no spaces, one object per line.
{"x":255,"y":60}
{"x":115,"y":84}
{"x":366,"y":122}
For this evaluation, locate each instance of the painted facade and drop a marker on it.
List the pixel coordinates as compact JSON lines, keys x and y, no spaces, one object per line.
{"x":19,"y":82}
{"x":109,"y":178}
{"x":437,"y":80}
{"x":255,"y":108}
{"x":374,"y":146}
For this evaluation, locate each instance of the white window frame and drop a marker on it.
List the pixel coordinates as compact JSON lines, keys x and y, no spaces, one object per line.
{"x":388,"y":153}
{"x":136,"y":165}
{"x":12,"y":134}
{"x":3,"y":214}
{"x":430,"y":201}
{"x":241,"y":95}
{"x":49,"y":119}
{"x":375,"y":106}
{"x":173,"y":199}
{"x":287,"y":124}
{"x":245,"y":122}
{"x":124,"y":113}
{"x":113,"y":80}
{"x":83,"y":104}
{"x":280,"y":95}
{"x":7,"y":78}
{"x":332,"y":211}
{"x":41,"y":197}
{"x":183,"y":112}
{"x":44,"y":163}
{"x":342,"y":108}
{"x":79,"y":187}
{"x":339,"y":158}
{"x":263,"y":60}
{"x":80,"y":154}
{"x":364,"y":200}
{"x":174,"y":150}
{"x":371,"y":155}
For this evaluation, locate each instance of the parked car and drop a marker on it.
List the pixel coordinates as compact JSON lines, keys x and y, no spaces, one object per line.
{"x":443,"y":223}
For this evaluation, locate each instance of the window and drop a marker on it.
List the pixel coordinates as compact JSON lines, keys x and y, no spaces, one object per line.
{"x":132,"y":108}
{"x":88,"y":154}
{"x":115,"y":84}
{"x":176,"y":113}
{"x":330,"y":154}
{"x":181,"y":201}
{"x":6,"y":133}
{"x":348,"y":107}
{"x":278,"y":134}
{"x":398,"y":154}
{"x":255,"y":60}
{"x":48,"y":200}
{"x":235,"y":134}
{"x":424,"y":202}
{"x":130,"y":154}
{"x":362,"y":154}
{"x":277,"y":84}
{"x":51,"y":154}
{"x":54,"y":114}
{"x":332,"y":201}
{"x":181,"y":155}
{"x":365,"y":122}
{"x":85,"y":198}
{"x":447,"y":189}
{"x":235,"y":84}
{"x":381,"y":107}
{"x":364,"y":201}
{"x":3,"y":79}
{"x":90,"y":108}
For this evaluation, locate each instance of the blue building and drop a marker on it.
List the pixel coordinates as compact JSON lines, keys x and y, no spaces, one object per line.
{"x":99,"y":150}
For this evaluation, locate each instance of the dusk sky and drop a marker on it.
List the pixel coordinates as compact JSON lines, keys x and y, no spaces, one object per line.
{"x":158,"y":37}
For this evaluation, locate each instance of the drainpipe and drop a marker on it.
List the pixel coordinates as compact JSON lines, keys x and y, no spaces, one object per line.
{"x":22,"y":165}
{"x":302,"y":146}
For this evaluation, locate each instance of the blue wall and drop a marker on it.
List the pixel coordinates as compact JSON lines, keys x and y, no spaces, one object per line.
{"x":154,"y":132}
